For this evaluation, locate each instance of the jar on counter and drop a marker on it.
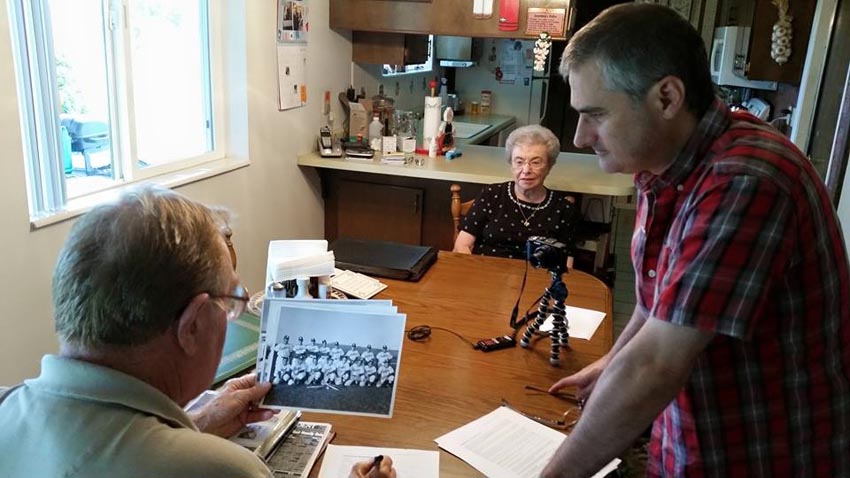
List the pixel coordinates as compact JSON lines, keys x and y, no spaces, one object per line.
{"x":484,"y":109}
{"x":473,"y":108}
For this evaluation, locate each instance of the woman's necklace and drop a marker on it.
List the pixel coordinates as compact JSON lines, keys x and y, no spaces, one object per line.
{"x":526,"y":220}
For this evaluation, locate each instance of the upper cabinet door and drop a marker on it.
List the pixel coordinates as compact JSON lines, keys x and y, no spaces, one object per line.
{"x":444,"y":17}
{"x":765,"y":22}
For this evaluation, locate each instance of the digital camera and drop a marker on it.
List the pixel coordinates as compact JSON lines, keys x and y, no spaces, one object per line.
{"x":546,"y":253}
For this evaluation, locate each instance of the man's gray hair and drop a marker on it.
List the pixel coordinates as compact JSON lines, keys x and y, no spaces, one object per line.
{"x":129,"y":268}
{"x":636,"y":45}
{"x":531,"y":135}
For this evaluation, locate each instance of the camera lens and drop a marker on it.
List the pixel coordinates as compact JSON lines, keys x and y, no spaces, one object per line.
{"x":538,"y":257}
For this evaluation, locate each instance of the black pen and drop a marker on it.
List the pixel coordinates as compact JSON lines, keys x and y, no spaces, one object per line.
{"x":376,"y":464}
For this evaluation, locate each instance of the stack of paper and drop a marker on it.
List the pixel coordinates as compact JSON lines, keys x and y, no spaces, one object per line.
{"x":505,"y":444}
{"x":298,"y":259}
{"x":356,"y":284}
{"x":336,"y":356}
{"x":407,"y":463}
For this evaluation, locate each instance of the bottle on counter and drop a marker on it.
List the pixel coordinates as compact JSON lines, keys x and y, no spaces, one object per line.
{"x":432,"y":147}
{"x":484,"y":108}
{"x":376,"y":129}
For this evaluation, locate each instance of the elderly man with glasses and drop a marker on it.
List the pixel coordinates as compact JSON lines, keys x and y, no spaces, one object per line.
{"x":142,"y":292}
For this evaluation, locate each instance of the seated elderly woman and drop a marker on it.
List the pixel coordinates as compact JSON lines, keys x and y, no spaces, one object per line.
{"x":505,"y":215}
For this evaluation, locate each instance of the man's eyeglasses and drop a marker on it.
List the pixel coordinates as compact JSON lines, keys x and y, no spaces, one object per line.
{"x":233,"y":304}
{"x":535,"y":163}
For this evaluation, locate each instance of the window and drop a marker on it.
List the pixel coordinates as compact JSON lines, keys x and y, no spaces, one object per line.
{"x":114,"y":91}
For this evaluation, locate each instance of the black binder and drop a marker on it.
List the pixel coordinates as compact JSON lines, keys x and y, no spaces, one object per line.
{"x":383,"y":258}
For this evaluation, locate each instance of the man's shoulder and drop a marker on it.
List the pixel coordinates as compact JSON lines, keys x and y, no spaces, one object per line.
{"x":756,"y":150}
{"x":194,"y":453}
{"x":755,"y":147}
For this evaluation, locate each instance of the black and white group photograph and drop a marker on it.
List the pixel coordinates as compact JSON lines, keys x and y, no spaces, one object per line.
{"x":330,"y":357}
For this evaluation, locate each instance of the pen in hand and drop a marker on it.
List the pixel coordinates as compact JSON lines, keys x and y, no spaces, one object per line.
{"x":377,"y":463}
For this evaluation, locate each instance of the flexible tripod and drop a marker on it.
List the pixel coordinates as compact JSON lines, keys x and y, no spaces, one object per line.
{"x":560,"y":337}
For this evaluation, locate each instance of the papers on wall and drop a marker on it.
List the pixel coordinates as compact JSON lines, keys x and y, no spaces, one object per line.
{"x":298,"y":259}
{"x":292,"y":75}
{"x":335,"y":356}
{"x":292,"y":27}
{"x":581,"y":323}
{"x":407,"y":463}
{"x":292,"y":24}
{"x":505,"y":444}
{"x":356,"y":284}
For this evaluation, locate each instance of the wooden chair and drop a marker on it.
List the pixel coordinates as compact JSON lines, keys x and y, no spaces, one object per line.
{"x":228,"y":234}
{"x":459,"y":209}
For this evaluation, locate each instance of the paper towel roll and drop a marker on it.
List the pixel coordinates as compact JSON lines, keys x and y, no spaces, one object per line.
{"x":431,"y":118}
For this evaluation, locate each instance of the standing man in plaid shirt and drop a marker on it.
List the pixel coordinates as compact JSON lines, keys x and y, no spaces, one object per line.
{"x":739,"y":346}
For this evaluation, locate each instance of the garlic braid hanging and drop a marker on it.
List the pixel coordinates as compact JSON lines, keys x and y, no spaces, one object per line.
{"x":780,"y":45}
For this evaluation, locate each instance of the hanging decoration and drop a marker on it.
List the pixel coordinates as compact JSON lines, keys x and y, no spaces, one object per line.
{"x":541,"y":51}
{"x":780,"y":45}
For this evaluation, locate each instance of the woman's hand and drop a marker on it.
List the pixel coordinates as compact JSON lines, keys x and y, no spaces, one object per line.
{"x":464,"y":243}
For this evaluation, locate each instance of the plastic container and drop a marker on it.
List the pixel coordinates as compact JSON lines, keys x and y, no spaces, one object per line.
{"x":432,"y":148}
{"x":376,"y":129}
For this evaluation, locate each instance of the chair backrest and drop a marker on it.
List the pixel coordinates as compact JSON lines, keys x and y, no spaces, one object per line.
{"x":228,"y":234}
{"x":459,"y":209}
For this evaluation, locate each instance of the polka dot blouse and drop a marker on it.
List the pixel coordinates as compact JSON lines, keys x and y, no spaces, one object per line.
{"x":501,"y":224}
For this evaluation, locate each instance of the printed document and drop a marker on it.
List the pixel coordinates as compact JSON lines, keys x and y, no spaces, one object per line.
{"x":505,"y":444}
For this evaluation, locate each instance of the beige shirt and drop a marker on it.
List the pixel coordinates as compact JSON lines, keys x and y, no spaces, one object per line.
{"x":82,"y":420}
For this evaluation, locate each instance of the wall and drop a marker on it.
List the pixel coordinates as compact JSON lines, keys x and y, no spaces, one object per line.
{"x":272,"y":198}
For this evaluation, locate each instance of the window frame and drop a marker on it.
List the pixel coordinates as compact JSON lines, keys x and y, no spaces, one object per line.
{"x":39,"y":113}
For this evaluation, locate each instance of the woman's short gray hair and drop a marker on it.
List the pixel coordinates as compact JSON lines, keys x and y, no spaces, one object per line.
{"x":531,"y":135}
{"x":129,"y":268}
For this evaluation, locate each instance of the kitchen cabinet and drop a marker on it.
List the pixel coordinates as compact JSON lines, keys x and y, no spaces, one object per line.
{"x":366,"y":210}
{"x":390,"y":48}
{"x":760,"y":65}
{"x":437,"y":17}
{"x":701,"y":13}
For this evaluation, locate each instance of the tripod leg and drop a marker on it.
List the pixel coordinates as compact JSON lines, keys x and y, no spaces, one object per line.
{"x":558,"y":334}
{"x":541,"y":317}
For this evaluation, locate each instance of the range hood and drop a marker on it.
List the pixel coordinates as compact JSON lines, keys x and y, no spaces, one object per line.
{"x":458,"y":52}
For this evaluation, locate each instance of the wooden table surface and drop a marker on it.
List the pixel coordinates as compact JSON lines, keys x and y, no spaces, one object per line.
{"x":443,"y":383}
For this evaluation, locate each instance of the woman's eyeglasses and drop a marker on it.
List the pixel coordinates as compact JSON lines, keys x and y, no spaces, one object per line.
{"x":233,"y":304}
{"x":535,"y":163}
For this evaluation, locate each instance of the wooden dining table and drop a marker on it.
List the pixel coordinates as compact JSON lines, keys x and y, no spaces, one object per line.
{"x":444,"y":383}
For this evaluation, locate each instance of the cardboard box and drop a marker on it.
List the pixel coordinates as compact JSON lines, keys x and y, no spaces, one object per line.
{"x":358,"y":121}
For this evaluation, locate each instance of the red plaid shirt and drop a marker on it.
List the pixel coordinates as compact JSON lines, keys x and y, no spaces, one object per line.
{"x":739,"y":237}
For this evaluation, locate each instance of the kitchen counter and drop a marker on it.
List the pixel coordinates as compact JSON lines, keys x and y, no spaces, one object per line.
{"x":497,"y":124}
{"x":573,"y":172}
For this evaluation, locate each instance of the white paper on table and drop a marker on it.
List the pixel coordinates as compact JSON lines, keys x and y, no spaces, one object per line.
{"x":505,"y":444}
{"x":407,"y":463}
{"x":582,"y":323}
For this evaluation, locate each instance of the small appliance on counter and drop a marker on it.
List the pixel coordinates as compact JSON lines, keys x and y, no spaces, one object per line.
{"x":329,"y":147}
